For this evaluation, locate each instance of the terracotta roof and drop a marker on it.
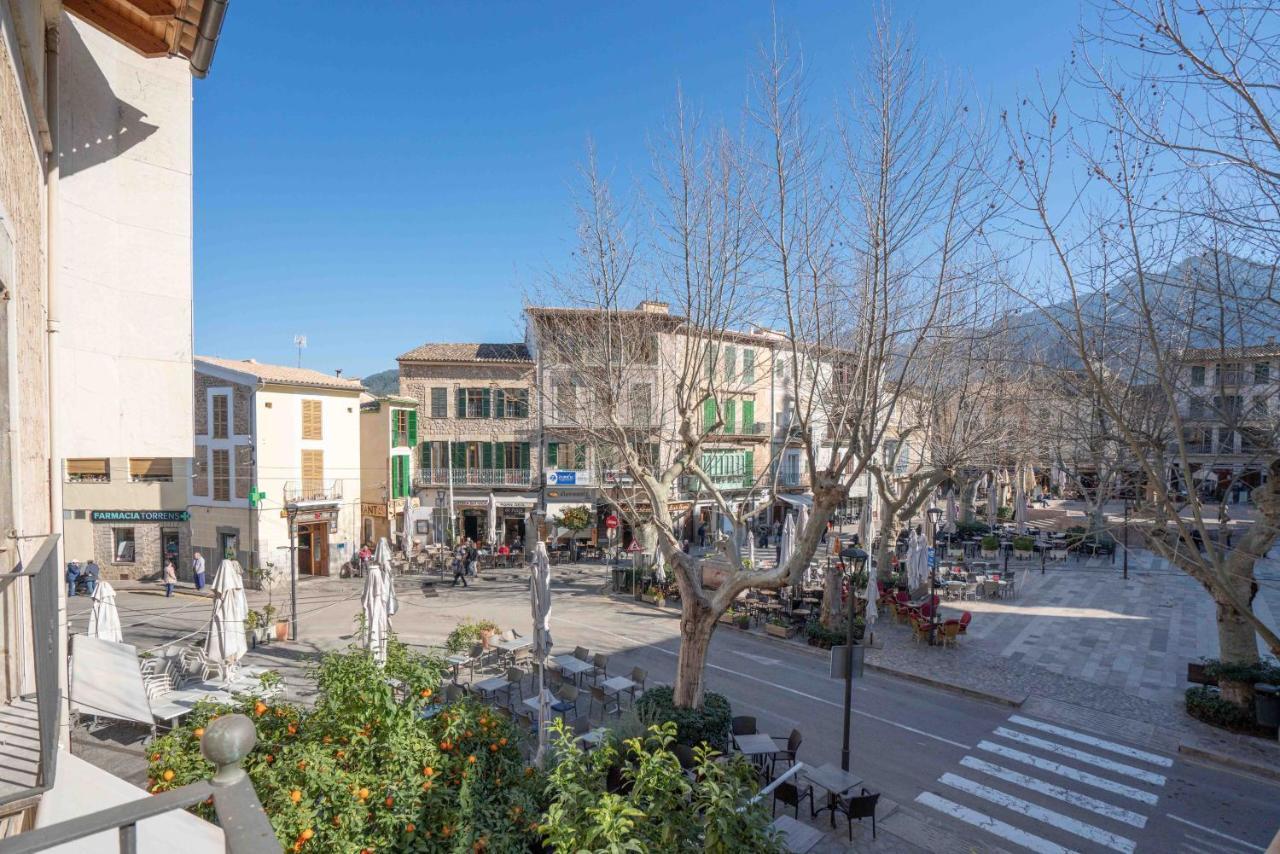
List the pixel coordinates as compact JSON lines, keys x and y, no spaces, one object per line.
{"x":1261,"y":351}
{"x":280,"y":374}
{"x":446,"y":352}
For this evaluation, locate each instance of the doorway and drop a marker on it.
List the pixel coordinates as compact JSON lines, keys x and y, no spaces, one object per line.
{"x":228,"y":545}
{"x":472,"y":526}
{"x":313,"y":549}
{"x":168,"y":548}
{"x":513,"y":529}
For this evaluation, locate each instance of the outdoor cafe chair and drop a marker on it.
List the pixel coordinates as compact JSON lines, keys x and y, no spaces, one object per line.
{"x":860,"y":807}
{"x":453,"y":692}
{"x":599,"y":667}
{"x":515,"y":684}
{"x":566,"y":701}
{"x":598,"y":696}
{"x":919,"y":629}
{"x":950,"y":632}
{"x":990,"y":589}
{"x":793,"y":796}
{"x":743,"y":725}
{"x":964,"y":621}
{"x":787,"y":754}
{"x":582,"y":653}
{"x":581,"y":726}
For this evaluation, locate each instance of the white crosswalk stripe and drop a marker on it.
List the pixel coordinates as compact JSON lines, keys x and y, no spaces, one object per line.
{"x":980,"y":801}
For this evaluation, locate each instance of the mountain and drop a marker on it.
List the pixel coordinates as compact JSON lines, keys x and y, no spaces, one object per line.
{"x":383,"y":382}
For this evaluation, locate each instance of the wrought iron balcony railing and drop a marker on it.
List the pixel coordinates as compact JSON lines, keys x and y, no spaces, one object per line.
{"x":473,"y":477}
{"x":312,"y":490}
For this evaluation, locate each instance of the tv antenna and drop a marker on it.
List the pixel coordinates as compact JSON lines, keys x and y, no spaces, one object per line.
{"x":300,"y":341}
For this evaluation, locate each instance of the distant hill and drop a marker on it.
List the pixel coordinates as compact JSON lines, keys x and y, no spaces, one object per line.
{"x":383,"y":382}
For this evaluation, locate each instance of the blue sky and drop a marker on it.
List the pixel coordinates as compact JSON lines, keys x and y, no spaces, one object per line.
{"x":379,"y":180}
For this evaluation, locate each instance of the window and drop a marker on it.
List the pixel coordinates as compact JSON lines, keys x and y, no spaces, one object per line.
{"x":1261,"y":373}
{"x":221,"y":474}
{"x":566,"y":401}
{"x":1197,"y":374}
{"x":312,"y":474}
{"x":1230,"y":374}
{"x":439,"y":403}
{"x":150,"y":469}
{"x":511,"y":403}
{"x":1259,"y":407}
{"x":641,"y":403}
{"x":89,"y":471}
{"x":200,"y":471}
{"x":475,"y":403}
{"x":221,"y":416}
{"x":399,"y":428}
{"x":748,"y":366}
{"x":122,"y":545}
{"x":580,"y":457}
{"x":400,"y":476}
{"x":1196,"y":409}
{"x":730,"y":362}
{"x":312,"y":423}
{"x":1230,"y":407}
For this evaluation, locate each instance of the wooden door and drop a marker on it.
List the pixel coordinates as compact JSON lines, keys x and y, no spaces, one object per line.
{"x":304,"y":549}
{"x":320,"y":548}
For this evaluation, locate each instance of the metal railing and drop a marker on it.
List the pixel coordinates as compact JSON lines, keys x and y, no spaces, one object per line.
{"x":244,"y":823}
{"x":752,"y":428}
{"x":43,"y":575}
{"x":790,"y":477}
{"x":474,"y":477}
{"x":1235,"y":377}
{"x":308,"y":490}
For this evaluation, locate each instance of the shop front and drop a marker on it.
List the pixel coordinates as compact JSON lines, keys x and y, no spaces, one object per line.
{"x":312,"y":529}
{"x":134,"y":544}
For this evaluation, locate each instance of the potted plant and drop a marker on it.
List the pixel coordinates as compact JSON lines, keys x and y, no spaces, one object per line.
{"x":269,"y":625}
{"x":990,"y":545}
{"x":653,"y":595}
{"x":1023,"y":547}
{"x":252,"y":628}
{"x":779,"y":626}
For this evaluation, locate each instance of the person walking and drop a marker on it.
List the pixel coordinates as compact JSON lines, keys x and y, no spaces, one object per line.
{"x":73,"y":575}
{"x":197,"y":569}
{"x":91,"y":573}
{"x":702,"y":536}
{"x":473,"y":555}
{"x":460,"y":567}
{"x":170,"y":578}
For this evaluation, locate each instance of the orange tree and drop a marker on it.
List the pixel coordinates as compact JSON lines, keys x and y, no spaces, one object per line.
{"x":364,"y":771}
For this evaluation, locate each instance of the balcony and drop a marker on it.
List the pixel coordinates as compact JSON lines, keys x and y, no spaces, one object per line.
{"x":792,"y":478}
{"x":754,"y":428}
{"x":1235,"y":378}
{"x":519,"y":478}
{"x":690,"y":486}
{"x":312,"y":490}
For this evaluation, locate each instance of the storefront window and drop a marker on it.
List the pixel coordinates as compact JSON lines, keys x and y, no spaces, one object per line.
{"x":123,"y":544}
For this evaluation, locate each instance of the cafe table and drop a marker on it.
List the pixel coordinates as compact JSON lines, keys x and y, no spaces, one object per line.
{"x":835,"y":781}
{"x":575,"y":667}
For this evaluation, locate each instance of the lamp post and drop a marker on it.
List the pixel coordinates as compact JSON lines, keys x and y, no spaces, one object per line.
{"x":1126,"y":538}
{"x":858,"y":557}
{"x":934,"y":514}
{"x":292,"y":516}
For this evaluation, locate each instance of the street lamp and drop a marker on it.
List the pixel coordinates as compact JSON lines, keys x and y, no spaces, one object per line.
{"x":934,"y":514}
{"x":859,"y":559}
{"x":1126,"y":538}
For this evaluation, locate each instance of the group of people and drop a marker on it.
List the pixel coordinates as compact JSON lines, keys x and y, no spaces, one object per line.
{"x":170,"y":574}
{"x":87,"y":574}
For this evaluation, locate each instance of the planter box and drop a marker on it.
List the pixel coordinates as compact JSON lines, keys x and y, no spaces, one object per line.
{"x":990,"y":553}
{"x":1196,"y":674}
{"x":779,"y":631}
{"x":653,"y":600}
{"x":1021,"y":554}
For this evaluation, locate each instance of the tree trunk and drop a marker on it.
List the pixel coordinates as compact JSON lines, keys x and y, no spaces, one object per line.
{"x":831,"y":610}
{"x":1095,"y":517}
{"x":697,"y":624}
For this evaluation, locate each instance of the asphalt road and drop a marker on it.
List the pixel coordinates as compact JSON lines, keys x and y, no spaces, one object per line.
{"x":969,"y":775}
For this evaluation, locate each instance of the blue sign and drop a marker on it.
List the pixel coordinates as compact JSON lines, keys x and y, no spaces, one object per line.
{"x":566,"y":478}
{"x":933,"y":560}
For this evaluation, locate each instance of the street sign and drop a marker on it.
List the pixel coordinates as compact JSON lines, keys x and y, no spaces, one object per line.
{"x":562,"y":478}
{"x":635,"y":546}
{"x":840,"y":655}
{"x":933,"y":558}
{"x":611,"y":521}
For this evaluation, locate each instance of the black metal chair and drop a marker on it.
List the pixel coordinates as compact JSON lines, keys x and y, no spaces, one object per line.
{"x":744,"y":725}
{"x":860,"y":807}
{"x":792,"y":795}
{"x":787,"y":754}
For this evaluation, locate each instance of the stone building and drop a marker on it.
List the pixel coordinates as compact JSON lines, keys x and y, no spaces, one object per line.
{"x":477,"y":439}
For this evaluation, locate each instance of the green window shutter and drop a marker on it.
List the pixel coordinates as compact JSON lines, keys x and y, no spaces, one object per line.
{"x":462,"y":403}
{"x":579,"y":457}
{"x":413,"y":427}
{"x":524,"y":455}
{"x":499,"y":403}
{"x":708,"y":413}
{"x":395,"y":477}
{"x":730,"y":416}
{"x":748,"y":365}
{"x":484,"y":403}
{"x":500,"y":455}
{"x":750,"y":475}
{"x":730,"y":362}
{"x":424,"y":455}
{"x":459,"y":455}
{"x":748,"y":415}
{"x":486,"y":455}
{"x":553,"y":449}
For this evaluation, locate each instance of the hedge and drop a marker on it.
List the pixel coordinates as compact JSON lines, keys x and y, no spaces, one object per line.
{"x":1206,"y":704}
{"x":693,"y":726}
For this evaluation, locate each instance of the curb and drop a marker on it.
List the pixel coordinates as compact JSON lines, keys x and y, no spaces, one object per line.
{"x":1226,"y":760}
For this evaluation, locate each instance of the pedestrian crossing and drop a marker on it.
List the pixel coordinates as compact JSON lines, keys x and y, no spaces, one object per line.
{"x":1049,"y":789}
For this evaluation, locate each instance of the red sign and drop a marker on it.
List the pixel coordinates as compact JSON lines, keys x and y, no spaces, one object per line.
{"x":635,"y":546}
{"x":611,"y":521}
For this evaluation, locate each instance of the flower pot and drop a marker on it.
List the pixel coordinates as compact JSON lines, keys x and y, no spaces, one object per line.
{"x":779,"y":631}
{"x":485,"y":636}
{"x":282,"y":630}
{"x":262,"y":634}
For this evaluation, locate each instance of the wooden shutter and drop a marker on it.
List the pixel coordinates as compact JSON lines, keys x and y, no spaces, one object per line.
{"x":748,"y":365}
{"x":149,"y":468}
{"x":459,"y":455}
{"x":484,"y":403}
{"x":439,"y":403}
{"x":312,"y":425}
{"x":424,"y":455}
{"x":499,"y":455}
{"x":748,"y":414}
{"x":524,"y":455}
{"x":750,"y":476}
{"x":462,"y":404}
{"x":553,"y":454}
{"x":486,"y":455}
{"x":93,"y":469}
{"x":730,"y":362}
{"x":200,"y":471}
{"x":221,"y":474}
{"x":313,"y":472}
{"x":730,"y":416}
{"x":221,"y":422}
{"x":499,"y":403}
{"x":708,"y":413}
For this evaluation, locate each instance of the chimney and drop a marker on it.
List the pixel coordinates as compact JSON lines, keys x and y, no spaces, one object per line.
{"x":652,"y":306}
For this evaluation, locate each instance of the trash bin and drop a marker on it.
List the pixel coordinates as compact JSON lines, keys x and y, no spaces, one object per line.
{"x":1266,"y":702}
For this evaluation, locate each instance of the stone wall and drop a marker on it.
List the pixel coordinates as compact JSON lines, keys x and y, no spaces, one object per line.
{"x":418,"y":378}
{"x":147,"y":554}
{"x":241,"y":395}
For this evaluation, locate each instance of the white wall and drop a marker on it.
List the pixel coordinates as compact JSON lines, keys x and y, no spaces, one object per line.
{"x":125,"y":250}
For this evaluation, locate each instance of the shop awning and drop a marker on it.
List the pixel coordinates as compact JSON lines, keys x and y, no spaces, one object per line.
{"x":516,"y":501}
{"x":106,"y":680}
{"x":797,"y":500}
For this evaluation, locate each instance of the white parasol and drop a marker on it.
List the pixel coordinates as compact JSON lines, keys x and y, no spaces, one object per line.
{"x":104,"y":619}
{"x":802,"y":521}
{"x":493,"y":520}
{"x":873,"y":597}
{"x":226,"y":641}
{"x":917,"y":560}
{"x":952,"y":511}
{"x":379,"y":602}
{"x":788,"y":543}
{"x":540,"y":605}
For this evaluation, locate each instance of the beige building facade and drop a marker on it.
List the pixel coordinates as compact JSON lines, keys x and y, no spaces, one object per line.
{"x":388,"y":439}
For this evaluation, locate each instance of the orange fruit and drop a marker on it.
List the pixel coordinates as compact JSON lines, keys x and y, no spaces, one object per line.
{"x":503,"y":741}
{"x":295,"y":796}
{"x":425,"y":693}
{"x":471,"y":759}
{"x":198,"y":732}
{"x":293,"y":729}
{"x":426,"y":787}
{"x":260,"y":708}
{"x":493,"y":748}
{"x":306,"y":834}
{"x":409,"y":828}
{"x":428,"y":771}
{"x":363,"y":794}
{"x":467,"y":733}
{"x":155,"y":757}
{"x":390,"y":802}
{"x":302,"y":766}
{"x":168,"y":775}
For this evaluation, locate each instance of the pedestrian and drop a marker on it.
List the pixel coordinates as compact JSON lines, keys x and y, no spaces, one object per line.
{"x":197,"y":569}
{"x":365,"y":554}
{"x":170,"y":578}
{"x":473,"y":556}
{"x":460,"y":568}
{"x":91,"y":573}
{"x":702,"y":536}
{"x":517,"y":545}
{"x":73,"y":575}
